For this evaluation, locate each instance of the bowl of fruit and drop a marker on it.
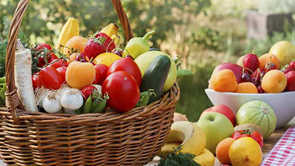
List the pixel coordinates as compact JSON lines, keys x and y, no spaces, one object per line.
{"x":254,"y":78}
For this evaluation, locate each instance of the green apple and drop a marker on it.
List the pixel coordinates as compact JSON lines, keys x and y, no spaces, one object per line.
{"x":216,"y":128}
{"x":284,"y":50}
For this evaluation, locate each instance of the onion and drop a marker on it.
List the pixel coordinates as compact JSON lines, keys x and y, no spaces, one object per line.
{"x":179,"y":117}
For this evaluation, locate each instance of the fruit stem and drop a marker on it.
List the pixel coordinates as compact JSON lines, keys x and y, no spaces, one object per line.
{"x":147,"y":35}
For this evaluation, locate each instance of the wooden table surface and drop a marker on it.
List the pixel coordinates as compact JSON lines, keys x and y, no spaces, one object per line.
{"x":267,"y":146}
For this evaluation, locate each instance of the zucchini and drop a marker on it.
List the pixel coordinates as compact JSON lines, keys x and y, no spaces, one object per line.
{"x":155,"y":76}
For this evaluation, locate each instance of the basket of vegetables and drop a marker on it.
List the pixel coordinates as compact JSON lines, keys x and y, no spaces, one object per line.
{"x":83,"y":103}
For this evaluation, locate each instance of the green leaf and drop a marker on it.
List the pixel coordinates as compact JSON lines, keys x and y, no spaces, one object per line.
{"x":182,"y":73}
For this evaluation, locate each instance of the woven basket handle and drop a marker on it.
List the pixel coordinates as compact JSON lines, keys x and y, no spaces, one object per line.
{"x":12,"y":99}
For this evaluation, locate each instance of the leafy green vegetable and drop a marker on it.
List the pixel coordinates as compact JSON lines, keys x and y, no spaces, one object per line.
{"x":4,"y":41}
{"x":178,"y":158}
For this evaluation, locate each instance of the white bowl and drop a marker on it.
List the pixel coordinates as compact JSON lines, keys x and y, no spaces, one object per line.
{"x":283,"y":104}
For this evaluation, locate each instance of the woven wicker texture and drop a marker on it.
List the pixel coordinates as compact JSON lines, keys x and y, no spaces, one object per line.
{"x":30,"y":138}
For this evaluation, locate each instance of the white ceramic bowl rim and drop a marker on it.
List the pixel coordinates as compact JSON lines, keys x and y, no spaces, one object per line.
{"x":252,"y":94}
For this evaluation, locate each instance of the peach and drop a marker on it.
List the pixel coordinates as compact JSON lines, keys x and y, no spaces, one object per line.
{"x":222,"y":150}
{"x":224,"y":81}
{"x":265,"y":58}
{"x":274,"y":81}
{"x":76,"y":43}
{"x":246,"y":87}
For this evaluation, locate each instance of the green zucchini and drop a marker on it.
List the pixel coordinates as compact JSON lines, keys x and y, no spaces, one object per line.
{"x":155,"y":76}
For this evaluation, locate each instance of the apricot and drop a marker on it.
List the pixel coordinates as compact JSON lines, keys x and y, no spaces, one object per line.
{"x":265,"y":58}
{"x":246,"y":87}
{"x":76,"y":43}
{"x":222,"y":150}
{"x":80,"y":74}
{"x":224,"y":81}
{"x":274,"y":81}
{"x":72,"y":57}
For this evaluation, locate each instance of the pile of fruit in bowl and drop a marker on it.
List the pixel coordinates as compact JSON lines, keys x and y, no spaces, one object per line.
{"x":269,"y":78}
{"x":92,"y":75}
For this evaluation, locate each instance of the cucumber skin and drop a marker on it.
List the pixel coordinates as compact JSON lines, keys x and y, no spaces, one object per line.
{"x":155,"y":76}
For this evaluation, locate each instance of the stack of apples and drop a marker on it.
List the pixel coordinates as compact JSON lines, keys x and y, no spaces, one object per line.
{"x":257,"y":75}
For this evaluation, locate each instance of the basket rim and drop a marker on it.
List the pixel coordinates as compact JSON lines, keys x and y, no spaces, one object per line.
{"x":168,"y":100}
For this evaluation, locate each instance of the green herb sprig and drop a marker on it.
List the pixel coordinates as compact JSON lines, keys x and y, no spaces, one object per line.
{"x":178,"y":158}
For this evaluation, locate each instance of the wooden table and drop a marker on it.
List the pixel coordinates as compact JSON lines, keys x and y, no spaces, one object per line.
{"x":267,"y":146}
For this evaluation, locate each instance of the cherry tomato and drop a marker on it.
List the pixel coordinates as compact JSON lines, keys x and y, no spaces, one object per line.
{"x":62,"y":72}
{"x":53,"y":56}
{"x":122,"y":90}
{"x":59,"y":63}
{"x":248,"y":133}
{"x":128,"y":65}
{"x":101,"y":73}
{"x":36,"y":81}
{"x":41,"y":61}
{"x":50,"y":78}
{"x":87,"y":91}
{"x":43,"y":45}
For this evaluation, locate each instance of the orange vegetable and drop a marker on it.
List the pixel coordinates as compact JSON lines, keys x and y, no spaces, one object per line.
{"x":80,"y":74}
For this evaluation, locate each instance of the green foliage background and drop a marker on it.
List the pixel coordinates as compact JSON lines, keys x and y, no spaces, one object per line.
{"x":204,"y":32}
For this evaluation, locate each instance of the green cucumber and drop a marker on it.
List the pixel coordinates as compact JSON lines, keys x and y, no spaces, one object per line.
{"x":155,"y":76}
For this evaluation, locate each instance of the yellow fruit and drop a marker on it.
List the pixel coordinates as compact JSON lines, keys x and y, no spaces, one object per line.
{"x":224,"y":81}
{"x":110,"y":30}
{"x":75,"y":43}
{"x":167,"y":149}
{"x":116,"y":39}
{"x":265,"y":58}
{"x":284,"y":50}
{"x":144,"y":60}
{"x":245,"y":151}
{"x":69,"y":30}
{"x":80,"y":74}
{"x":106,"y":59}
{"x":206,"y":158}
{"x":222,"y":150}
{"x":189,"y":135}
{"x":274,"y":81}
{"x":246,"y":87}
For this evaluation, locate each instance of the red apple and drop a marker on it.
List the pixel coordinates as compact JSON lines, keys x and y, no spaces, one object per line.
{"x":238,"y":70}
{"x":223,"y":109}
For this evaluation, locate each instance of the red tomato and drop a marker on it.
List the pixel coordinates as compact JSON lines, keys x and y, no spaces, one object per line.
{"x":62,"y":72}
{"x":59,"y":63}
{"x":50,"y":78}
{"x":122,"y":90}
{"x":87,"y":91}
{"x":101,"y":73}
{"x":53,"y":56}
{"x":128,"y":65}
{"x":41,"y":61}
{"x":43,"y":45}
{"x":248,"y":133}
{"x":36,"y":81}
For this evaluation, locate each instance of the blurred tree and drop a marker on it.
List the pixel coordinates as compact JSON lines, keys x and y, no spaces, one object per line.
{"x":44,"y":19}
{"x":175,"y":22}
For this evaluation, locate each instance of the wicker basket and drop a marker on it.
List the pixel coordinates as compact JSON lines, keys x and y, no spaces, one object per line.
{"x":132,"y":138}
